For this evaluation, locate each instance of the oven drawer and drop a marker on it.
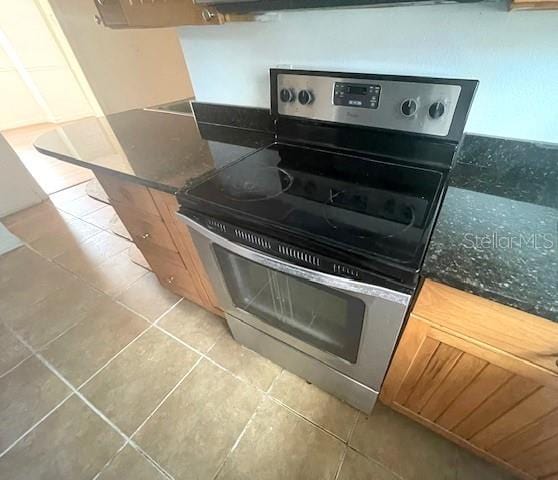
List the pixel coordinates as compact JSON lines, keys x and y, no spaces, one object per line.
{"x":350,"y":326}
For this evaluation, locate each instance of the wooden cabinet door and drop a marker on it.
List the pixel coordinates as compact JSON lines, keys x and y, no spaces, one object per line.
{"x":168,"y":206}
{"x":159,"y":13}
{"x":493,"y":403}
{"x":533,"y":4}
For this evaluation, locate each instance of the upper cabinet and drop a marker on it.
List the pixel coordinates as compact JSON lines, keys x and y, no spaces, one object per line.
{"x":533,"y":4}
{"x":155,"y":13}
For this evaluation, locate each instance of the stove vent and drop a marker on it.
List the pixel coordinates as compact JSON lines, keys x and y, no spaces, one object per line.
{"x":299,"y":255}
{"x":344,"y":270}
{"x":216,"y":224}
{"x":253,"y":239}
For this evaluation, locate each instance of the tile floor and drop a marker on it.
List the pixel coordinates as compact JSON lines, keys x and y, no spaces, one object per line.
{"x":106,"y":375}
{"x":51,"y":174}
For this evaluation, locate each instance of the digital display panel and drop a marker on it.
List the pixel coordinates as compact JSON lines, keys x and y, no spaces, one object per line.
{"x":356,"y":89}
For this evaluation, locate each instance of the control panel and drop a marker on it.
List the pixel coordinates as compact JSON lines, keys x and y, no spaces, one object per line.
{"x":356,"y":94}
{"x":411,"y":105}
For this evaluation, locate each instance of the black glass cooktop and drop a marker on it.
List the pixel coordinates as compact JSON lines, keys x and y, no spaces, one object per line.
{"x":366,"y":206}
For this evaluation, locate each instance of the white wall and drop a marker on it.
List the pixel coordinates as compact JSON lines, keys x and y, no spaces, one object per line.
{"x":125,"y":68}
{"x":36,"y":83}
{"x":18,"y":189}
{"x":513,"y":54}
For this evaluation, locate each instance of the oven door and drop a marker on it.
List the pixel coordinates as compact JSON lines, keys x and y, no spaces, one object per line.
{"x":348,"y":325}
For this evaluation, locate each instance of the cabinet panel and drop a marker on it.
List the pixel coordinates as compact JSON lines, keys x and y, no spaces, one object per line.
{"x":537,"y":432}
{"x":473,"y":395}
{"x":515,"y":332}
{"x":127,"y":193}
{"x":168,"y":206}
{"x":144,"y":226}
{"x":146,"y":217}
{"x":455,"y":388}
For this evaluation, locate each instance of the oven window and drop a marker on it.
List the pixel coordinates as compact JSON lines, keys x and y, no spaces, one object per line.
{"x":320,"y":316}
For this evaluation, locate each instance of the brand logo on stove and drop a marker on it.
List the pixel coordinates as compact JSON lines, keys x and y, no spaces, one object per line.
{"x":353,"y":115}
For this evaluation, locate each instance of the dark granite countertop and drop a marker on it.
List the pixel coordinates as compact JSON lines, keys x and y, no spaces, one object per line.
{"x":161,"y":150}
{"x":497,"y":233}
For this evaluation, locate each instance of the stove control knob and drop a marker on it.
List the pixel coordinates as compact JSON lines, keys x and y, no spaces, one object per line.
{"x":305,"y":97}
{"x":436,"y":110}
{"x":287,"y":95}
{"x":409,"y":107}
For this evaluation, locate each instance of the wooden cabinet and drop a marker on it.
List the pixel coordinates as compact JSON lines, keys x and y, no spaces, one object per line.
{"x":482,"y":374}
{"x":533,"y":4}
{"x":154,"y":13}
{"x":149,"y":216}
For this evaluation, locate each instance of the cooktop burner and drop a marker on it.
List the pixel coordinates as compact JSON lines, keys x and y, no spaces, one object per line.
{"x":259,"y":183}
{"x":358,"y":203}
{"x":334,"y":214}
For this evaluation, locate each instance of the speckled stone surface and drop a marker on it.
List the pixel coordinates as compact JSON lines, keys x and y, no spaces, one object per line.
{"x":497,"y":234}
{"x":160,"y":150}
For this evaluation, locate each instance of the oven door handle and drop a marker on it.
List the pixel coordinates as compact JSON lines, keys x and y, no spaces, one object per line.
{"x":314,"y":276}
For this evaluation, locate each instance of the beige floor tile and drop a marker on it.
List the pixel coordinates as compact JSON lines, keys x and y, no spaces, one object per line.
{"x":67,"y":236}
{"x":27,"y":394}
{"x":245,"y":363}
{"x":315,"y":404}
{"x":33,"y":213}
{"x":81,"y":206}
{"x":404,"y":446}
{"x":92,"y":252}
{"x":87,"y":346}
{"x":193,"y":431}
{"x":193,"y":325}
{"x":102,"y":218}
{"x":72,"y":443}
{"x":279,"y":444}
{"x":357,"y":467}
{"x":472,"y":467}
{"x":148,"y":297}
{"x":19,"y":264}
{"x":129,"y":463}
{"x":115,"y":274}
{"x":69,"y":194}
{"x":12,"y":351}
{"x":33,"y":222}
{"x":25,"y":279}
{"x":132,"y":385}
{"x":49,"y":318}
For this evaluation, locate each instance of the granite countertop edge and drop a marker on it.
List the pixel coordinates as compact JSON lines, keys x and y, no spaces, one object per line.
{"x":490,"y":156}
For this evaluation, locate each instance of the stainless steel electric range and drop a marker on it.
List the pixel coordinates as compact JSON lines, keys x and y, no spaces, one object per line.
{"x":315,"y":243}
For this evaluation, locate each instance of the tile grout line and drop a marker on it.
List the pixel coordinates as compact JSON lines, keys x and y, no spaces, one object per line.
{"x":238,"y":439}
{"x":78,"y":394}
{"x":109,"y":361}
{"x":151,"y":460}
{"x":353,"y":428}
{"x":300,"y":415}
{"x":35,"y":425}
{"x":167,"y":395}
{"x":7,"y":372}
{"x":109,"y":461}
{"x":209,"y":359}
{"x":377,"y":462}
{"x":265,"y":393}
{"x":342,"y":461}
{"x":154,"y":323}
